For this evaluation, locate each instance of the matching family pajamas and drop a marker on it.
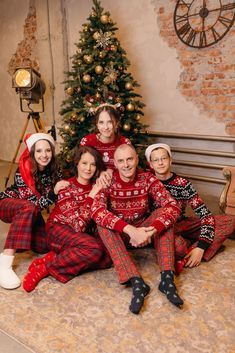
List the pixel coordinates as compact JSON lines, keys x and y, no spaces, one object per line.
{"x":126,"y":203}
{"x":21,"y":207}
{"x":205,"y":231}
{"x":69,"y":229}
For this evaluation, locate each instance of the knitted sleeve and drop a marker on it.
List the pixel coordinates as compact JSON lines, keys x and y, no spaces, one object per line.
{"x":169,"y":210}
{"x":71,"y":212}
{"x":102,"y":216}
{"x":207,"y":219}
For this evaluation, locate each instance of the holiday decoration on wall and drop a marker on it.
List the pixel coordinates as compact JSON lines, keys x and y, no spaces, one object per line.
{"x":202,"y":23}
{"x":99,"y":75}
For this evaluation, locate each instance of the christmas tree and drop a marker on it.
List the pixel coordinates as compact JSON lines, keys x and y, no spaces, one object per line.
{"x":99,"y":75}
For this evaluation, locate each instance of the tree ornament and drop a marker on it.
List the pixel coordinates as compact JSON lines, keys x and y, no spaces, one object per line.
{"x":72,"y":132}
{"x":86,"y":78}
{"x":96,"y":35}
{"x":104,"y":19}
{"x":128,"y":86}
{"x":138,"y":117}
{"x":70,"y":91}
{"x":79,"y":62}
{"x":88,"y":59}
{"x":74,"y":117}
{"x":85,"y":28}
{"x":135,"y":131}
{"x":107,"y":80}
{"x":82,"y":119}
{"x":130,"y":107}
{"x":126,"y":127}
{"x":102,"y":54}
{"x":93,"y":14}
{"x":113,"y":47}
{"x":97,"y":95}
{"x":78,"y":89}
{"x":98,"y":69}
{"x":66,"y":127}
{"x":118,"y":99}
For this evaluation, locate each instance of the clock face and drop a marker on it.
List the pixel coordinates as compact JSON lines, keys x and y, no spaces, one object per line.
{"x":201,"y":23}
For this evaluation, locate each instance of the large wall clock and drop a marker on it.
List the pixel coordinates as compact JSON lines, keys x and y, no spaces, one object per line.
{"x":201,"y":23}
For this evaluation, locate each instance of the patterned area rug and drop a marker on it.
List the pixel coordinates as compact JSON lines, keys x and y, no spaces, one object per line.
{"x":90,"y":313}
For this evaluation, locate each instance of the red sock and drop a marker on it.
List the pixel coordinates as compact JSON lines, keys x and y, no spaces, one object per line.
{"x":33,"y":277}
{"x":42,"y":260}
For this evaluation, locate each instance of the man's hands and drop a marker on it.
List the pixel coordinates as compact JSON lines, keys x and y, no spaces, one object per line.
{"x":194,"y":257}
{"x":95,"y":189}
{"x":140,"y":237}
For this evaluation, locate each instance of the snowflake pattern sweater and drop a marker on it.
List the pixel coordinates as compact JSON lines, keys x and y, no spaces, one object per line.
{"x":73,"y":206}
{"x":106,"y":149}
{"x":129,"y":203}
{"x":19,"y":190}
{"x":186,"y":195}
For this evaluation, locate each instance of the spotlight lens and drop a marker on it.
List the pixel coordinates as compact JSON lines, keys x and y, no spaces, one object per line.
{"x":23,"y":78}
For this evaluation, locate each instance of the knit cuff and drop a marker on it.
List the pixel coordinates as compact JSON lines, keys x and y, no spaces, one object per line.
{"x":159,"y":226}
{"x":120,"y":225}
{"x":203,"y":245}
{"x":52,"y":196}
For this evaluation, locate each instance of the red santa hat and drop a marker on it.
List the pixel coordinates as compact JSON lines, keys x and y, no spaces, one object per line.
{"x":25,"y":164}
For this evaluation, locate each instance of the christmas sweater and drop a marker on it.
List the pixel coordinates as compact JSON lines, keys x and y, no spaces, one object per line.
{"x":106,"y":149}
{"x":186,"y":195}
{"x":126,"y":203}
{"x":20,"y":190}
{"x":73,"y":206}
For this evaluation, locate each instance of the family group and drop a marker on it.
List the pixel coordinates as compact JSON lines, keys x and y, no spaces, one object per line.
{"x":107,"y":208}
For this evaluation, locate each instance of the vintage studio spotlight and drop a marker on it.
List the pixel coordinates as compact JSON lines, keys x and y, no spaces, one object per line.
{"x":31,"y":88}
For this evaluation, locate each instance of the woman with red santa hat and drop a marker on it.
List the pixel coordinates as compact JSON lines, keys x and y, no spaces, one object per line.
{"x":37,"y":181}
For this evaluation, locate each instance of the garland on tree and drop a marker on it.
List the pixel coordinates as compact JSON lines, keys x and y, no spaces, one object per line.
{"x":99,"y":76}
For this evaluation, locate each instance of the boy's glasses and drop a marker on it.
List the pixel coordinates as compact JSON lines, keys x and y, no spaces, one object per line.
{"x":162,"y":159}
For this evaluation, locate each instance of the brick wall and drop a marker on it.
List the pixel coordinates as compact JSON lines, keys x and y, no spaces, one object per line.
{"x":208,"y":74}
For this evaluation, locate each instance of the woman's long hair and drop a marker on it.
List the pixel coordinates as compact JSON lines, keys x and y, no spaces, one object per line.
{"x":52,"y":169}
{"x":114,"y":115}
{"x":79,"y":151}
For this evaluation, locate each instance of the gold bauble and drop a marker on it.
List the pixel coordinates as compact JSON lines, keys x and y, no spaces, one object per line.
{"x":73,"y":117}
{"x":107,"y":80}
{"x":66,"y":127}
{"x":82,"y":119}
{"x":102,"y":54}
{"x":88,"y":59}
{"x":86,"y":78}
{"x":128,"y":86}
{"x":104,"y":19}
{"x":130,"y":107}
{"x":70,"y":91}
{"x":96,"y":35}
{"x":118,"y":99}
{"x":85,"y":28}
{"x":113,"y":47}
{"x":138,"y":117}
{"x":136,"y":131}
{"x":93,"y":14}
{"x":72,"y":132}
{"x":78,"y":89}
{"x":126,"y":127}
{"x":98,"y":69}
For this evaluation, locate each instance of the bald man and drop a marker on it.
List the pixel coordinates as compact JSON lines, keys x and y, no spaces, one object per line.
{"x":122,"y":213}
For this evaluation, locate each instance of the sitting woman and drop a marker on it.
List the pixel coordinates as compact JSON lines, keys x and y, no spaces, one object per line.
{"x":106,"y":139}
{"x":36,"y":184}
{"x":73,"y":245}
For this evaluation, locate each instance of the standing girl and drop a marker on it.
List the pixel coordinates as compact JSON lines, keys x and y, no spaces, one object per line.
{"x":106,"y":139}
{"x":73,"y":245}
{"x":36,"y":184}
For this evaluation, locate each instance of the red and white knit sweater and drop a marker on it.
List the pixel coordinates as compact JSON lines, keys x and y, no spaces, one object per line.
{"x":129,"y":203}
{"x":73,"y":206}
{"x":106,"y":149}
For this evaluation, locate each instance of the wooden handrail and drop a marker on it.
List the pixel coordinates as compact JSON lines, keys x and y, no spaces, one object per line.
{"x":199,"y":164}
{"x":191,"y":136}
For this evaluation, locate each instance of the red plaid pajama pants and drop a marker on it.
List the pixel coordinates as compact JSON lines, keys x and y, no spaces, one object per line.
{"x":76,"y":252}
{"x":117,"y":245}
{"x":27,"y":229}
{"x":188,"y":232}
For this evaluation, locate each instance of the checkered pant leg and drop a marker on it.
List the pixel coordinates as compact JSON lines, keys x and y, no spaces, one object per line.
{"x":163,"y":243}
{"x":27,"y":227}
{"x":76,"y":252}
{"x":181,"y":246}
{"x":123,"y":264}
{"x":224,"y":227}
